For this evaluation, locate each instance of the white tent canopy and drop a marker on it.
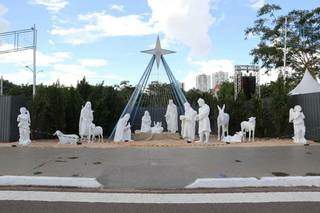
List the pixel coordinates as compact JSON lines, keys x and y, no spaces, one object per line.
{"x":307,"y":85}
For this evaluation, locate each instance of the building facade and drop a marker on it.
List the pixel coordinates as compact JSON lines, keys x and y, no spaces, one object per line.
{"x":203,"y":82}
{"x":218,"y":78}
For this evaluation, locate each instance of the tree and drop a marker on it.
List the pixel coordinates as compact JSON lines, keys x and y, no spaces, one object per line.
{"x":303,"y":39}
{"x":84,"y":89}
{"x":279,"y":106}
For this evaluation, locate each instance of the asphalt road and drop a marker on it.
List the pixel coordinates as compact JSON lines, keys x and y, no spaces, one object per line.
{"x":63,"y":207}
{"x":160,"y":167}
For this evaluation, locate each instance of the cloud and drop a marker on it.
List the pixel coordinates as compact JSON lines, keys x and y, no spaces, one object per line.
{"x":184,"y":21}
{"x":256,"y":4}
{"x":93,"y":62}
{"x":70,"y":74}
{"x":53,"y":6}
{"x":117,"y":7}
{"x":24,"y":58}
{"x":101,"y":24}
{"x":207,"y":67}
{"x":25,"y":76}
{"x":3,"y":22}
{"x":56,"y":66}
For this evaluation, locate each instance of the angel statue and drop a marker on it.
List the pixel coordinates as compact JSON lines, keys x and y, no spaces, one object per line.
{"x":297,"y":117}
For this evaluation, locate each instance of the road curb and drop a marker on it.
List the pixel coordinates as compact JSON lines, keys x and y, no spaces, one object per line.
{"x":291,"y":181}
{"x":78,"y":197}
{"x":75,"y":182}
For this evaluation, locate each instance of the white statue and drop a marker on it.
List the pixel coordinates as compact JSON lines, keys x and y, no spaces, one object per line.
{"x":248,"y":126}
{"x":86,"y":118}
{"x":204,"y":121}
{"x":66,"y":138}
{"x":123,"y":129}
{"x":222,"y":122}
{"x":24,"y":127}
{"x":95,"y":131}
{"x":172,"y":117}
{"x":188,"y":123}
{"x":297,"y":117}
{"x":233,"y":139}
{"x":157,"y":128}
{"x":146,"y":122}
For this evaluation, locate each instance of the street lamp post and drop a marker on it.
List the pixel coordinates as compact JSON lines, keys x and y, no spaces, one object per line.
{"x":285,"y":47}
{"x":34,"y":79}
{"x":1,"y":86}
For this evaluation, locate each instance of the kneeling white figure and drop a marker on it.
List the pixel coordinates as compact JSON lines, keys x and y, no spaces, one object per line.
{"x":123,"y":129}
{"x":188,"y":123}
{"x":66,"y":138}
{"x":248,"y":126}
{"x":297,"y":117}
{"x":95,"y":131}
{"x":146,"y":122}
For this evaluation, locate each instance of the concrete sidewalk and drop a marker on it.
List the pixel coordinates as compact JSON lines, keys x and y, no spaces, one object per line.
{"x":139,"y":167}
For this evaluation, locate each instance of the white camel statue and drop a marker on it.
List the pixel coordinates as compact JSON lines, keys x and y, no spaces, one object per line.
{"x":222,"y":122}
{"x":248,"y":126}
{"x":95,"y":131}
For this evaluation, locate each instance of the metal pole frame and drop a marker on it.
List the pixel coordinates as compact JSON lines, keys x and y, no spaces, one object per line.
{"x":16,"y":48}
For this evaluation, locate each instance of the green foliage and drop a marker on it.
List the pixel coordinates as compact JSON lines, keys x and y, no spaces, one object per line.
{"x":58,"y":107}
{"x":48,"y":110}
{"x":279,"y":106}
{"x":303,"y":39}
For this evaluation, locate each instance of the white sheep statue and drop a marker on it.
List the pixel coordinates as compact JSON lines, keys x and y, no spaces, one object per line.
{"x":248,"y":126}
{"x":66,"y":138}
{"x":237,"y":137}
{"x":95,"y":131}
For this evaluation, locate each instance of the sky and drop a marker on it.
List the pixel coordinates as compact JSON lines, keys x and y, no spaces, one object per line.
{"x":102,"y":39}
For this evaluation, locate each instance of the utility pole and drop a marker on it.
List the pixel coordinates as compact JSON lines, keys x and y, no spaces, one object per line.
{"x":34,"y":60}
{"x":1,"y":86}
{"x":285,"y":48}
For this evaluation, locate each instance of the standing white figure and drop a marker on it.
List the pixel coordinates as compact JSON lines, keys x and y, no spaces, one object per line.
{"x":24,"y":127}
{"x":172,"y":117}
{"x":146,"y":122}
{"x":188,"y":123}
{"x":248,"y":126}
{"x":204,"y":121}
{"x":123,"y":129}
{"x":86,"y":118}
{"x":297,"y":117}
{"x":222,"y":122}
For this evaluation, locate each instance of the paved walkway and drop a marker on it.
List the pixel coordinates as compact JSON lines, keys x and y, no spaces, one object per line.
{"x":155,"y":167}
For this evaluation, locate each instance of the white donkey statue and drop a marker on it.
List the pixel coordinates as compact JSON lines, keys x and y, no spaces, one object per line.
{"x":248,"y":126}
{"x":222,"y":122}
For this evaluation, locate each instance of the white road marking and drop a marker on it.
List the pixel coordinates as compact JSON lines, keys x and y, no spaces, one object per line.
{"x":291,"y":181}
{"x":86,"y":197}
{"x":80,"y":182}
